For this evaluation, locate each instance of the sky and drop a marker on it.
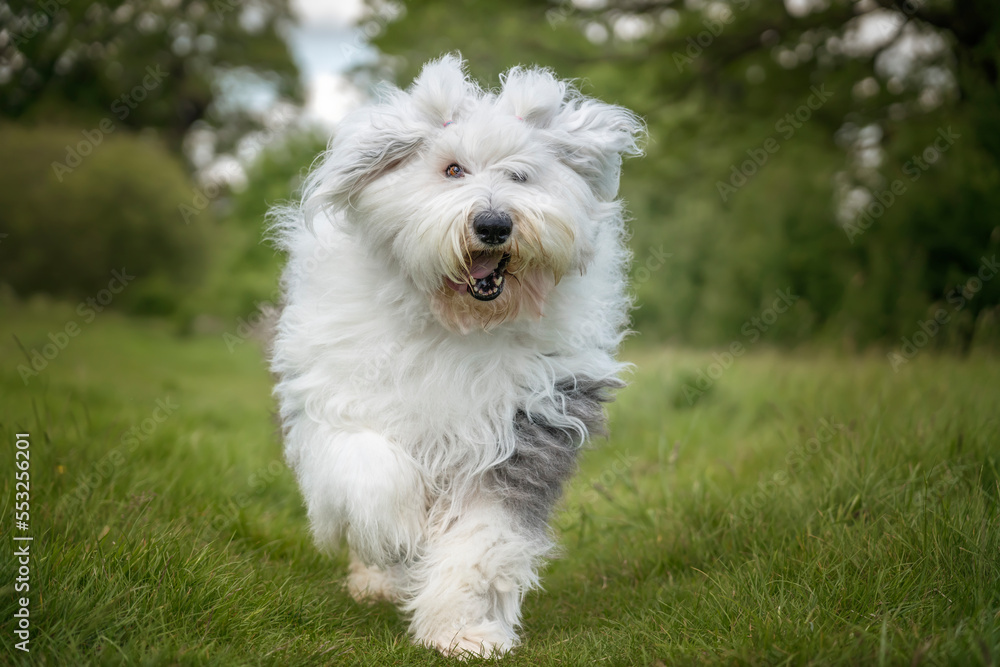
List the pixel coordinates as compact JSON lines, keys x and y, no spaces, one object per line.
{"x":325,"y":44}
{"x":328,"y":12}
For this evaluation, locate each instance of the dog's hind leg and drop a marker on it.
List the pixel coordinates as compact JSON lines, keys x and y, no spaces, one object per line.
{"x":469,"y":583}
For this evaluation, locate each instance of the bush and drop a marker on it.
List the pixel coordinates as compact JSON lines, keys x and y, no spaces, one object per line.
{"x":68,"y":228}
{"x":245,"y":266}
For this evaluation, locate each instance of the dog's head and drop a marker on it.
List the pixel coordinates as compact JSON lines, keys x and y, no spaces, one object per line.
{"x":483,"y":200}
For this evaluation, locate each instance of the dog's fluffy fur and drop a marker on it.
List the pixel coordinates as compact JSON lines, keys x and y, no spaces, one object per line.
{"x":432,"y":428}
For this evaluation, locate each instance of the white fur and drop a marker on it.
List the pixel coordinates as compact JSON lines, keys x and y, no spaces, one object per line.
{"x":397,"y":392}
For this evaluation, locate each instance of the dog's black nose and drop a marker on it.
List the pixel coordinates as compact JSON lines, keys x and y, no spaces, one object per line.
{"x":492,"y":228}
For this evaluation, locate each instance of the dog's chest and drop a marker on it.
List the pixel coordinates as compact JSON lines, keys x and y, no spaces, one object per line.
{"x":432,"y":389}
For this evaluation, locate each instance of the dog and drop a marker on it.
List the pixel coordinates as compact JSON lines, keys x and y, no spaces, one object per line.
{"x":454,"y":298}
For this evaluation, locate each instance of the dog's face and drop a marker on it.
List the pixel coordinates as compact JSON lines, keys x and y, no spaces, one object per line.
{"x":483,"y":201}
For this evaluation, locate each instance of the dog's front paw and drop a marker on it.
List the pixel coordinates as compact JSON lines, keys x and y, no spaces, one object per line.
{"x":388,"y":528}
{"x":484,"y":640}
{"x":363,"y":485}
{"x":384,"y":538}
{"x":387,"y":525}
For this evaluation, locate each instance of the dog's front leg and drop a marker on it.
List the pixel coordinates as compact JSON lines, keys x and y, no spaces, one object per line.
{"x":362,"y":483}
{"x":468,"y":585}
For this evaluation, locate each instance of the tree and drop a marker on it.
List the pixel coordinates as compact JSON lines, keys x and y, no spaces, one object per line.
{"x":144,"y":63}
{"x":777,"y":131}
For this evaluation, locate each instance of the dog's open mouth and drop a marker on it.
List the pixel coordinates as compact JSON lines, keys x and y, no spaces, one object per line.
{"x":486,"y":276}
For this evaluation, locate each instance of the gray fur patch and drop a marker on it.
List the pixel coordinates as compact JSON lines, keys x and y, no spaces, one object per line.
{"x":530,"y":481}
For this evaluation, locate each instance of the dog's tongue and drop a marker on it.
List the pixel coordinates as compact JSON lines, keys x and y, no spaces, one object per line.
{"x":484,"y":265}
{"x":481,"y":266}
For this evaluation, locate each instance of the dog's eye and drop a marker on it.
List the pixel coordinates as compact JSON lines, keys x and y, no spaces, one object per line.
{"x":454,"y":171}
{"x":518,"y":177}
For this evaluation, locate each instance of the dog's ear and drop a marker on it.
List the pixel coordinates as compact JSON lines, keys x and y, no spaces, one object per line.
{"x":376,"y":139}
{"x":533,"y":95}
{"x":365,"y":145}
{"x":442,"y":90}
{"x":591,"y":137}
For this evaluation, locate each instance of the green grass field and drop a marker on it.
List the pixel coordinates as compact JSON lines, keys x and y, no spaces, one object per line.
{"x":807,"y":509}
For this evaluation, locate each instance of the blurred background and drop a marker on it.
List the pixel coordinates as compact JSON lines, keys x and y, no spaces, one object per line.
{"x":843,"y":154}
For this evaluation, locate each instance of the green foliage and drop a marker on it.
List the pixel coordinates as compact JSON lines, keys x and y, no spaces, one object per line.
{"x":145,"y":63}
{"x":715,"y":82}
{"x":68,"y":228}
{"x":276,"y":175}
{"x":245,"y":266}
{"x":182,"y":75}
{"x":817,"y":510}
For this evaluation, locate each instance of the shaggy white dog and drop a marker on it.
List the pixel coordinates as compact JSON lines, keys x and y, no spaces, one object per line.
{"x":454,"y":298}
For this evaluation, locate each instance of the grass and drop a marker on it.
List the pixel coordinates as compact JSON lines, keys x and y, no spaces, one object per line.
{"x":807,"y":509}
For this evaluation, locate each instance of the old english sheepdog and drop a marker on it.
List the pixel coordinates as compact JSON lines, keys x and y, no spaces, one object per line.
{"x":455,"y":295}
